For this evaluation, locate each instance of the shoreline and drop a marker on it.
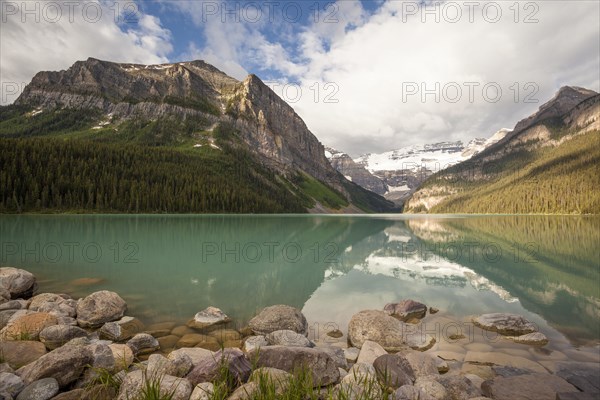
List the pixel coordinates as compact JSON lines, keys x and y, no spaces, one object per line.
{"x":48,"y":333}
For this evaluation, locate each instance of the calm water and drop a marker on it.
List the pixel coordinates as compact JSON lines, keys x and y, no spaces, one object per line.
{"x":170,"y":267}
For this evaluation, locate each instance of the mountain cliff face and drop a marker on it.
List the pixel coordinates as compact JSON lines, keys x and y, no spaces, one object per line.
{"x":354,"y":172}
{"x":547,"y":164}
{"x":188,"y":105}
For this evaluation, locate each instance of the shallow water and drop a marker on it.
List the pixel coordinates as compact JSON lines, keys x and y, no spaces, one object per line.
{"x":168,"y":267}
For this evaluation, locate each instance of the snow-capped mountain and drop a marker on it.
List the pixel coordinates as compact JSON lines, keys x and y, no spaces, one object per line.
{"x":398,"y":173}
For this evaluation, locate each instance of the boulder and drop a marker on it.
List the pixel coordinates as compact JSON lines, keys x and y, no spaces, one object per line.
{"x":19,"y":304}
{"x":337,"y":354}
{"x":279,"y":317}
{"x":498,"y":358}
{"x":393,"y":370}
{"x":422,"y":363}
{"x":143,"y":343}
{"x":22,"y":352}
{"x":288,"y":338}
{"x":431,"y":389}
{"x":27,"y":327}
{"x":209,"y":369}
{"x":64,"y":364}
{"x":17,"y":282}
{"x":123,"y":329}
{"x":55,"y":304}
{"x":207,"y":318}
{"x":458,"y":387}
{"x":203,"y":391}
{"x":100,"y":307}
{"x":409,"y":392}
{"x":533,"y":339}
{"x":196,"y":354}
{"x":505,"y":324}
{"x":271,"y":376}
{"x":369,"y":352}
{"x":122,"y":354}
{"x":351,"y":354}
{"x":254,"y":342}
{"x":320,"y":364}
{"x":166,"y":386}
{"x":11,"y":384}
{"x":57,"y":335}
{"x":530,"y":386}
{"x":406,"y":310}
{"x":182,"y":363}
{"x":247,"y":391}
{"x":379,"y":327}
{"x":361,"y":372}
{"x":354,"y":390}
{"x":44,"y":389}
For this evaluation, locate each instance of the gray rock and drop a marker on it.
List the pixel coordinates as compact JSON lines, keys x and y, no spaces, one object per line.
{"x":19,"y":304}
{"x":143,"y":343}
{"x":279,"y":317}
{"x":351,"y":354}
{"x":5,"y":317}
{"x":17,"y":282}
{"x":288,"y":338}
{"x":5,"y":367}
{"x":233,"y":359}
{"x":168,"y":386}
{"x":378,"y":327}
{"x":100,"y":307}
{"x":254,"y":342}
{"x":584,"y":376}
{"x":369,"y":352}
{"x":432,"y":389}
{"x":505,"y":324}
{"x":11,"y":384}
{"x":57,"y":335}
{"x":123,"y":329}
{"x":208,"y":317}
{"x":337,"y":354}
{"x":43,"y":389}
{"x":406,"y":310}
{"x":534,"y":339}
{"x":357,"y":390}
{"x":182,"y":363}
{"x":531,"y":386}
{"x":21,"y":352}
{"x":245,"y":392}
{"x":196,"y":354}
{"x":203,"y":391}
{"x":361,"y":372}
{"x":422,"y":364}
{"x":272,"y":376}
{"x":458,"y":387}
{"x":322,"y":367}
{"x":408,"y":392}
{"x":27,"y":326}
{"x":394,"y":371}
{"x":54,"y":304}
{"x":64,"y":364}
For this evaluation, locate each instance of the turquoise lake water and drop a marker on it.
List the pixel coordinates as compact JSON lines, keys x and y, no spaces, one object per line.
{"x":168,"y":267}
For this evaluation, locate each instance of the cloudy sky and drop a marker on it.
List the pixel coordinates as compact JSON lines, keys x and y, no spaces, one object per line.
{"x":366,"y":76}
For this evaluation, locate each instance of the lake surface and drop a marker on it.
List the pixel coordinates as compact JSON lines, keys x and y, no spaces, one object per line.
{"x":169,"y":267}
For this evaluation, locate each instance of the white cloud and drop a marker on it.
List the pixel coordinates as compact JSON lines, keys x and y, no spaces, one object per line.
{"x":70,"y":33}
{"x":370,"y":57}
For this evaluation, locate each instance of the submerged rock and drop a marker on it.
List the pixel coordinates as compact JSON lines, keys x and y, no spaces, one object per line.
{"x":534,"y":338}
{"x":376,"y":326}
{"x":531,"y":386}
{"x":208,"y":317}
{"x":505,"y":324}
{"x":279,"y":317}
{"x":406,"y":310}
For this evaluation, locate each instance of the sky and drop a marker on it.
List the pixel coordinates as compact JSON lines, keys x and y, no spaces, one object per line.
{"x":366,"y":76}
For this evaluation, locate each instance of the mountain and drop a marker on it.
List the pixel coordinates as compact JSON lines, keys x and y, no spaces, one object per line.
{"x":402,"y":171}
{"x":354,"y":172}
{"x":547,"y":164}
{"x":222,"y":145}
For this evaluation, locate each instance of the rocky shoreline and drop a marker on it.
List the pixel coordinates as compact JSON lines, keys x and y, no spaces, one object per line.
{"x":56,"y":347}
